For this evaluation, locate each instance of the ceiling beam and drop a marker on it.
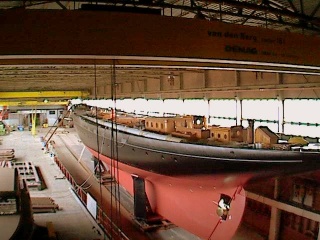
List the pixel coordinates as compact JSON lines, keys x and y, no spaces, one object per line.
{"x":44,"y":94}
{"x":293,"y":6}
{"x":269,"y":9}
{"x":273,"y":8}
{"x":61,"y":5}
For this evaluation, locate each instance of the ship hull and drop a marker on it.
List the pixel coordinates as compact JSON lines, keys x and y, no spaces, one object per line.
{"x":184,"y":182}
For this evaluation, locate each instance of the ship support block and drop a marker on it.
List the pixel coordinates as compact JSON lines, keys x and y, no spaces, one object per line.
{"x":146,"y":219}
{"x":141,"y":202}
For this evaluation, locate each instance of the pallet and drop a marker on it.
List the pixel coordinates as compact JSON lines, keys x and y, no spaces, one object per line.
{"x":7,"y":158}
{"x":6,"y":151}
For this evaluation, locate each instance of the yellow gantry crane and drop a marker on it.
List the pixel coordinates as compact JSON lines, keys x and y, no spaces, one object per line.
{"x":39,"y":97}
{"x":44,"y":94}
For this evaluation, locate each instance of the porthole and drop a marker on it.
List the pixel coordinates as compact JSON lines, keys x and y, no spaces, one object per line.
{"x":225,"y":136}
{"x":219,"y":135}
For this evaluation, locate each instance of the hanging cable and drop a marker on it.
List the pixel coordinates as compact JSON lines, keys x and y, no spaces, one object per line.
{"x":117,"y":149}
{"x":98,"y":144}
{"x":115,"y":189}
{"x":111,"y":154}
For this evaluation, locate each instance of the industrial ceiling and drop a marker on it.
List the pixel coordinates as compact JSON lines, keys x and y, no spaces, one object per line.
{"x":292,"y":16}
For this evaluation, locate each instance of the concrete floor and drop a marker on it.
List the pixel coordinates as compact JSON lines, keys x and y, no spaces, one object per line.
{"x":72,"y":221}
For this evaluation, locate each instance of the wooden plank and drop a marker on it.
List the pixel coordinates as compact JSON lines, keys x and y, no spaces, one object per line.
{"x":43,"y":204}
{"x":7,"y":154}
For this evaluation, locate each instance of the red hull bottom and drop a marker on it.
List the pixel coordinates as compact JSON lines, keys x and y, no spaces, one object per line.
{"x":189,"y":202}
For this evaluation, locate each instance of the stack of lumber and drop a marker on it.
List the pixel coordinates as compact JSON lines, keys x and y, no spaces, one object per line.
{"x":6,"y":154}
{"x":43,"y":205}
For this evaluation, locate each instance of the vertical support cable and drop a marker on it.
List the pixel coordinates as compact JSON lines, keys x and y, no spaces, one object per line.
{"x":97,"y":139}
{"x":112,"y":170}
{"x":114,"y":146}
